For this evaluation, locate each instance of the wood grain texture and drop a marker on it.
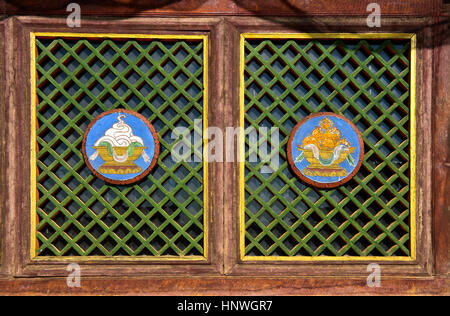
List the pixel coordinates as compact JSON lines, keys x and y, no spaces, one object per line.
{"x":224,"y":7}
{"x":424,"y":118}
{"x":12,"y":195}
{"x":445,"y":10}
{"x":231,"y":192}
{"x":222,"y":286}
{"x":441,"y":149}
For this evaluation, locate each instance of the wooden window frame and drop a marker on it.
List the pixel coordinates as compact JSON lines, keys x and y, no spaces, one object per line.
{"x":25,"y":28}
{"x":225,"y":272}
{"x":422,"y":264}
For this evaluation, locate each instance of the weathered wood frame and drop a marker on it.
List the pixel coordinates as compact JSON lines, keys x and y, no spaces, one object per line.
{"x":423,"y":265}
{"x":3,"y":202}
{"x":225,"y":274}
{"x":19,"y":154}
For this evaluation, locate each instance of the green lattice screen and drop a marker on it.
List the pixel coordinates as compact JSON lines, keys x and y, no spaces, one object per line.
{"x":77,"y":213}
{"x":368,"y":82}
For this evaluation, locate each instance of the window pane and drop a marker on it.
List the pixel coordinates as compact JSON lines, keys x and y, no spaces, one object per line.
{"x":77,"y":213}
{"x":368,"y":82}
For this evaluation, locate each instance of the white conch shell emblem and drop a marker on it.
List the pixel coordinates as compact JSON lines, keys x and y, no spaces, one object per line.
{"x":119,"y":135}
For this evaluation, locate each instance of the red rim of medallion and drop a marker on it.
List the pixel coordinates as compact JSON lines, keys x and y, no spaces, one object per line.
{"x":312,"y":182}
{"x":141,"y":175}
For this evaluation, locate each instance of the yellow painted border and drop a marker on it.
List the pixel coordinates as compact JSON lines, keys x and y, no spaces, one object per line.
{"x":33,"y":149}
{"x":413,"y":217}
{"x":412,"y":141}
{"x":328,"y":35}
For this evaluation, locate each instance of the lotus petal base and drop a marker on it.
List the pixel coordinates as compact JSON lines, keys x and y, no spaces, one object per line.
{"x":119,"y":169}
{"x":324,"y":172}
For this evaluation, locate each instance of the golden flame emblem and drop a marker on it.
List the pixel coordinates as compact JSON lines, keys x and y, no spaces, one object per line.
{"x":325,"y":149}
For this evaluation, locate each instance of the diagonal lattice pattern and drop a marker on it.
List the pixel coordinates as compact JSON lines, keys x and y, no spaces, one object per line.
{"x":77,"y":213}
{"x":367,"y":81}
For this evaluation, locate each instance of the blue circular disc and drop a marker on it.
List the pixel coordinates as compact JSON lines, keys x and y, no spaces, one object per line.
{"x":120,"y":146}
{"x":325,"y":150}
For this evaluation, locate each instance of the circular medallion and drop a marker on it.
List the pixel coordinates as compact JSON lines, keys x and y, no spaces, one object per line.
{"x":325,"y":150}
{"x":120,"y":146}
